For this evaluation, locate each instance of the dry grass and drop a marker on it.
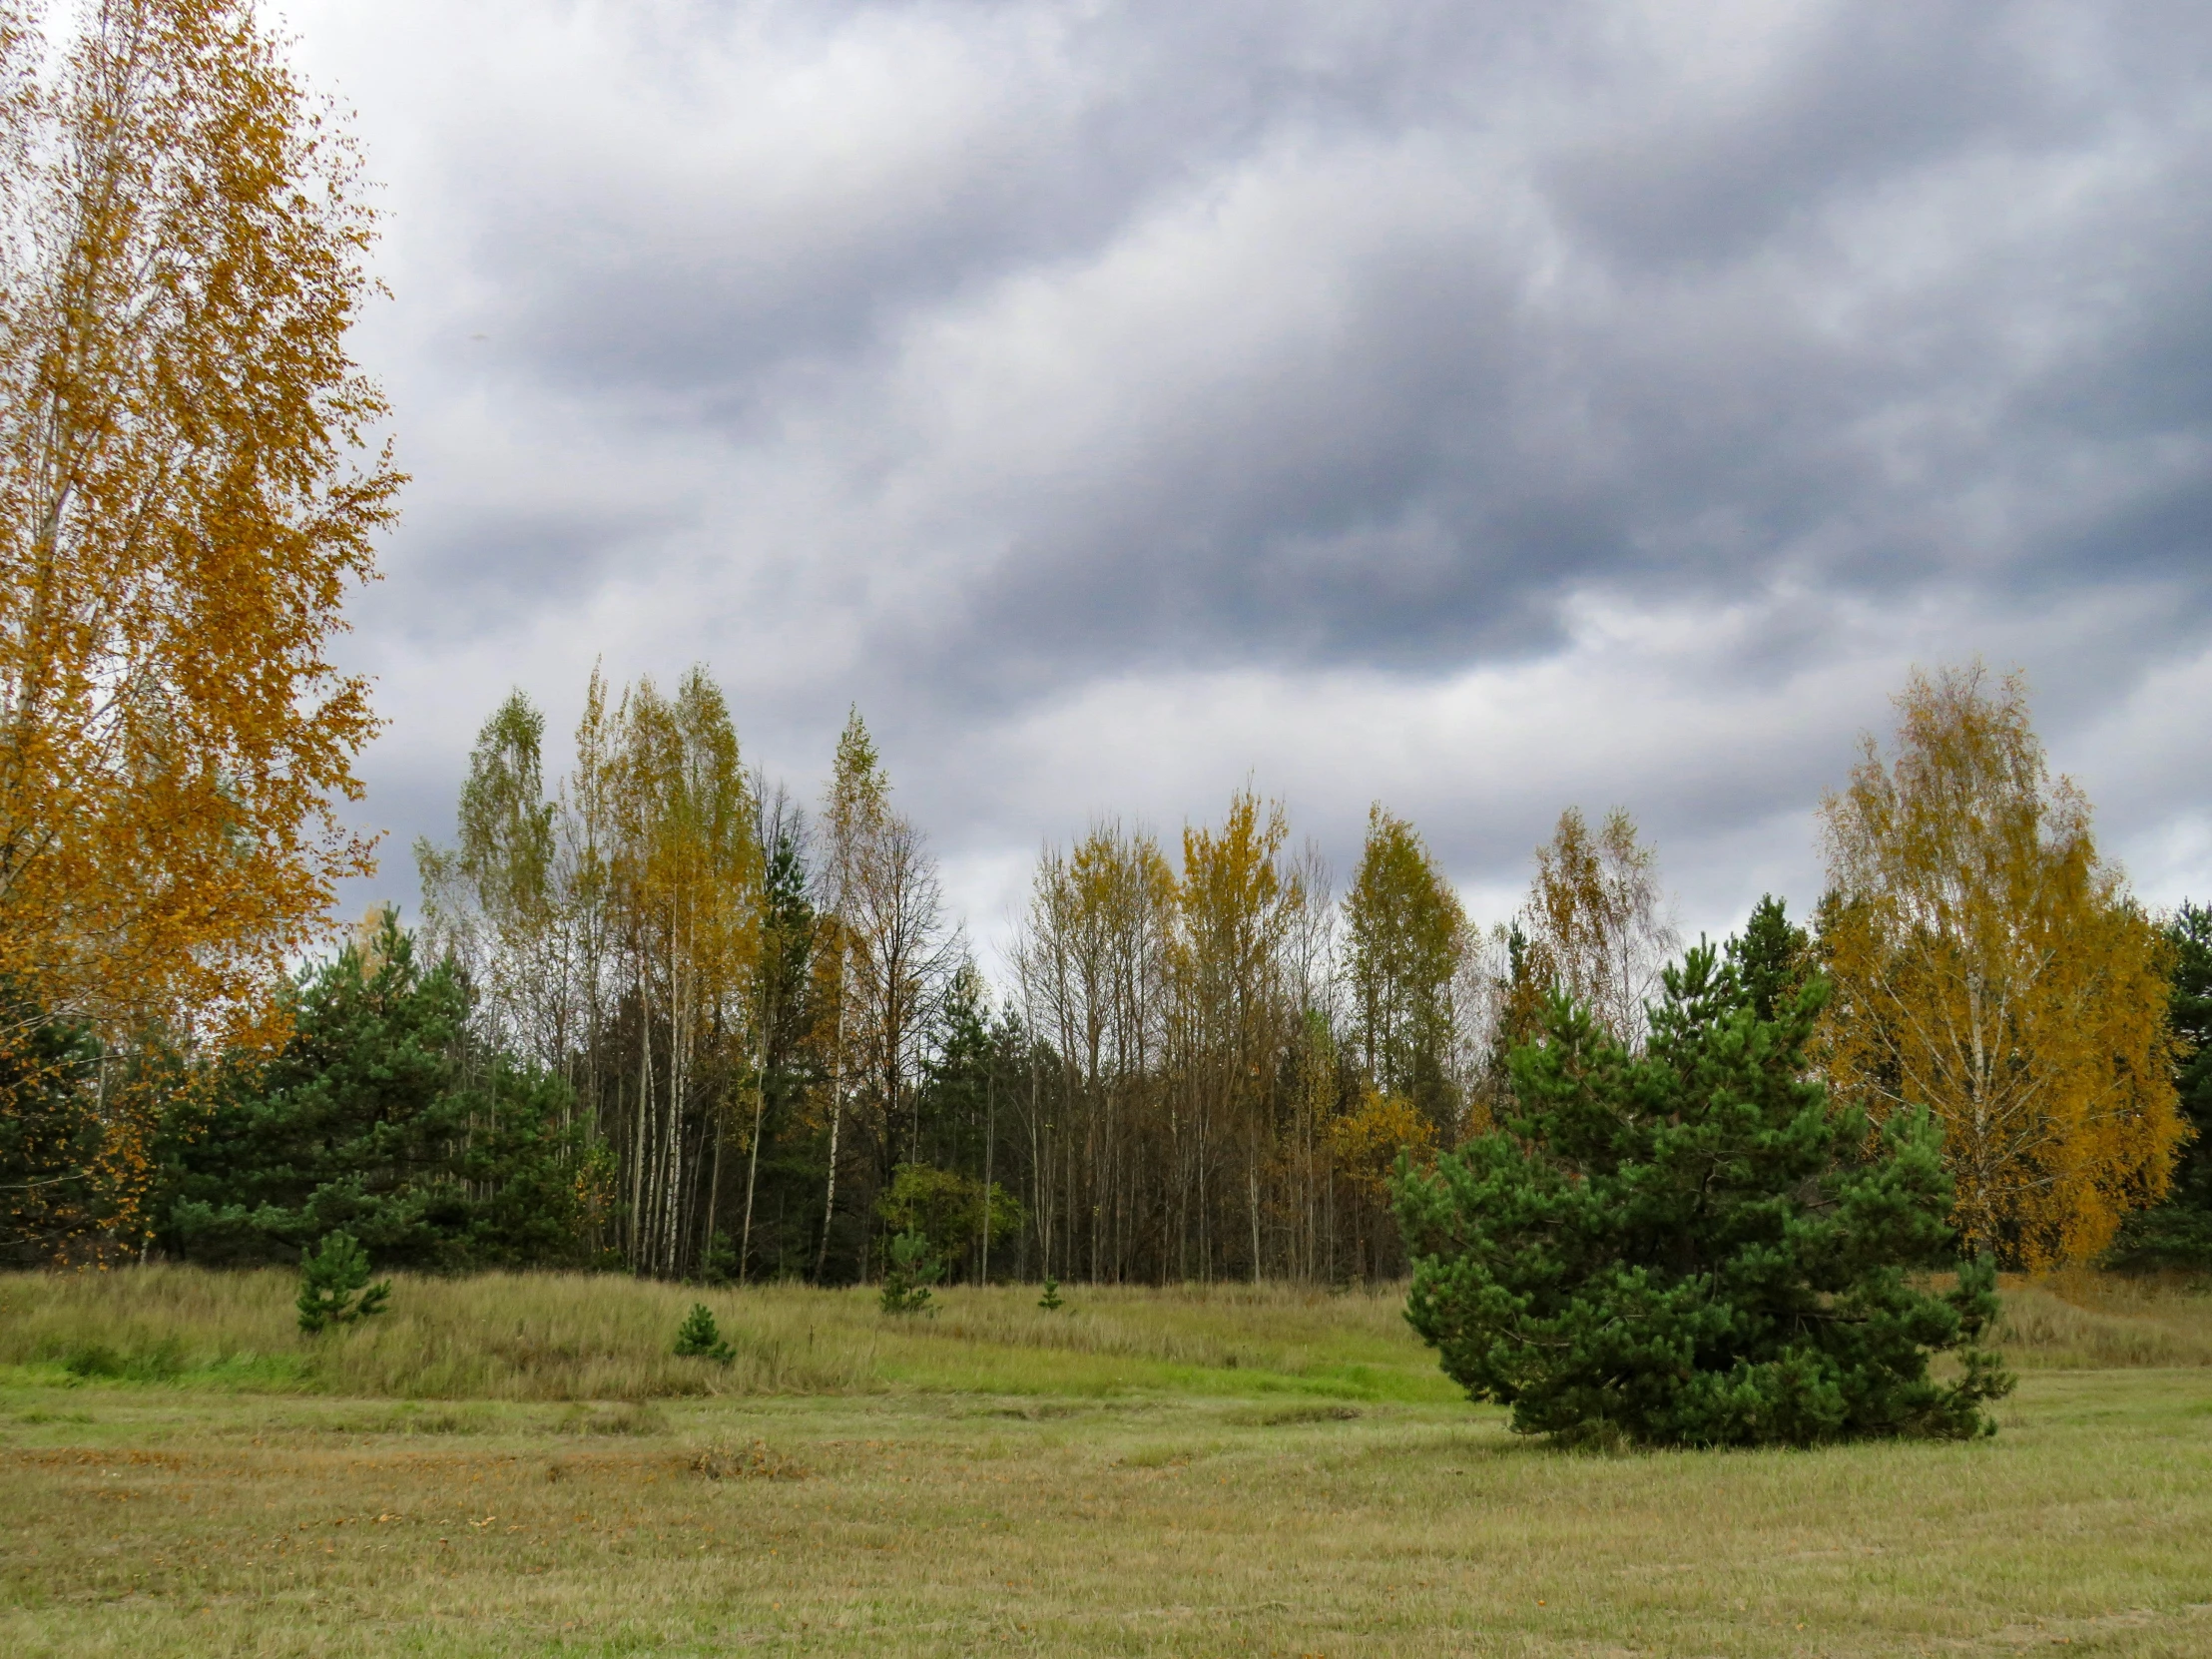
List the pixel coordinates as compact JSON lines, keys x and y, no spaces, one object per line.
{"x":1146,"y":1498}
{"x":2081,"y":1321}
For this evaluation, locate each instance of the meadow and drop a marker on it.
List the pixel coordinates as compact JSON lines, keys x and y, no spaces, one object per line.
{"x":518,"y":1464}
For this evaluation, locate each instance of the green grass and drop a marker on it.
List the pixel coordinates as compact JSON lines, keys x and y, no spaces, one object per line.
{"x":516,"y":1467}
{"x":577,"y":1337}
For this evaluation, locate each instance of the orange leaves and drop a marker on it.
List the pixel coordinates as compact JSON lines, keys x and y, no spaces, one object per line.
{"x":185,"y":498}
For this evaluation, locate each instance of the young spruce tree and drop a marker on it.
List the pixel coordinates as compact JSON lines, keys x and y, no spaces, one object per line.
{"x":1692,"y":1246}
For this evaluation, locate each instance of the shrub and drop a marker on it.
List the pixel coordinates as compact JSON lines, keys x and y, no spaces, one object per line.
{"x":1693,"y":1247}
{"x":950,"y":1211}
{"x":329,"y":1275}
{"x":699,"y":1338}
{"x":911,"y":1267}
{"x":1051,"y":1302}
{"x":161,"y":1363}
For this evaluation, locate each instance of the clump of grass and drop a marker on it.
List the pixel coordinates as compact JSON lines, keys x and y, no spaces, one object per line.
{"x":756,"y":1461}
{"x":160,"y":1362}
{"x":411,"y":1418}
{"x":1159,"y":1458}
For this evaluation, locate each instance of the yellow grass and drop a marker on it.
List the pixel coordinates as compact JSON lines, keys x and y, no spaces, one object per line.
{"x":1102,"y":1480}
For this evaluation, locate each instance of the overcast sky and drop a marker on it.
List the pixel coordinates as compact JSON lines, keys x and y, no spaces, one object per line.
{"x":1476,"y":407}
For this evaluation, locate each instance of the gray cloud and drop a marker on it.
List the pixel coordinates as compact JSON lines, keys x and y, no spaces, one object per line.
{"x":1409,"y":399}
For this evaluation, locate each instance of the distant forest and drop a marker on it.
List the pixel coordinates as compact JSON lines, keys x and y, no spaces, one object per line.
{"x":660,"y":1017}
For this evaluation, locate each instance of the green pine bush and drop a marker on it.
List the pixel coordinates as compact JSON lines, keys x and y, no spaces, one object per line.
{"x":911,"y":1267}
{"x":1051,"y":1302}
{"x":699,"y":1338}
{"x":331,"y":1275}
{"x":1694,"y":1245}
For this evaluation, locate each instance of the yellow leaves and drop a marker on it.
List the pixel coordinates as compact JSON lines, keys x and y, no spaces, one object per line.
{"x":1367,"y":1140}
{"x":1405,"y":935}
{"x":1989,"y":964}
{"x":181,"y":511}
{"x":1596,"y":927}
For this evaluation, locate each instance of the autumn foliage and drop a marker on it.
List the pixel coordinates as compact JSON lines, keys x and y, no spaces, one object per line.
{"x":190,"y":484}
{"x":1991,"y":966}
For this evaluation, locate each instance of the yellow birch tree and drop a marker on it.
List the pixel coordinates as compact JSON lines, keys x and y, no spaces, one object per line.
{"x":1989,"y":965}
{"x":188,"y":490}
{"x":1406,"y":933}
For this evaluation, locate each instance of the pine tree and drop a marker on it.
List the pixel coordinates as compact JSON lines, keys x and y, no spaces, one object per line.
{"x":364,"y":1121}
{"x":329,"y":1277}
{"x":1691,"y":1247}
{"x":2178,"y":1233}
{"x":1770,"y":958}
{"x":912,"y":1266}
{"x":699,"y":1338}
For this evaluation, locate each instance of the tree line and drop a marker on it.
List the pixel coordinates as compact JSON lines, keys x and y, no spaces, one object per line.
{"x":659,"y":1015}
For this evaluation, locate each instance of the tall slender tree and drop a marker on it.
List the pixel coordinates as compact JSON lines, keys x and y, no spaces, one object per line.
{"x":1595,"y":927}
{"x":188,"y":488}
{"x":1406,"y":935}
{"x":853,"y":820}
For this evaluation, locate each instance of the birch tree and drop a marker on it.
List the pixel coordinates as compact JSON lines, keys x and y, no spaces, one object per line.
{"x":1989,"y":965}
{"x":1406,"y":935}
{"x":190,"y":485}
{"x":1595,"y":924}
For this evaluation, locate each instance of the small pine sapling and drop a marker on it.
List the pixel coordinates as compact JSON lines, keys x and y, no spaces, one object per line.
{"x":911,"y":1268}
{"x":1051,"y":1302}
{"x":329,"y":1275}
{"x":699,"y":1338}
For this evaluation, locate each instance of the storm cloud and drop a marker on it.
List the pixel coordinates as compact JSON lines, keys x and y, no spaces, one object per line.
{"x":1477,"y":407}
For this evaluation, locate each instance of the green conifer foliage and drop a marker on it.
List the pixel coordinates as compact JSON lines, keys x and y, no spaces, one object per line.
{"x":329,"y":1277}
{"x":912,"y":1266}
{"x":1772,"y":957}
{"x":2178,"y":1233}
{"x":699,"y":1338}
{"x":51,"y":1194}
{"x":1692,"y":1247}
{"x":373,"y":1120}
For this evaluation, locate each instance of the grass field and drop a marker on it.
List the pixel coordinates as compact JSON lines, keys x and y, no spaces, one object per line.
{"x":518,"y":1466}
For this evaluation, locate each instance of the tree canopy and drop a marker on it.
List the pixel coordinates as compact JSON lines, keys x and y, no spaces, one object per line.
{"x":1693,"y":1245}
{"x":1991,"y":966}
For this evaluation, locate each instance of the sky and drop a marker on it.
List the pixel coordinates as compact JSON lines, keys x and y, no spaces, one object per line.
{"x":1476,"y":407}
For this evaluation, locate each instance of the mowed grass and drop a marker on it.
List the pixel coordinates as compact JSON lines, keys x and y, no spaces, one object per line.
{"x":514,"y":1466}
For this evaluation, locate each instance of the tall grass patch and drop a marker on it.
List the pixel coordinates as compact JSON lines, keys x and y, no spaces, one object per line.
{"x":519,"y":1336}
